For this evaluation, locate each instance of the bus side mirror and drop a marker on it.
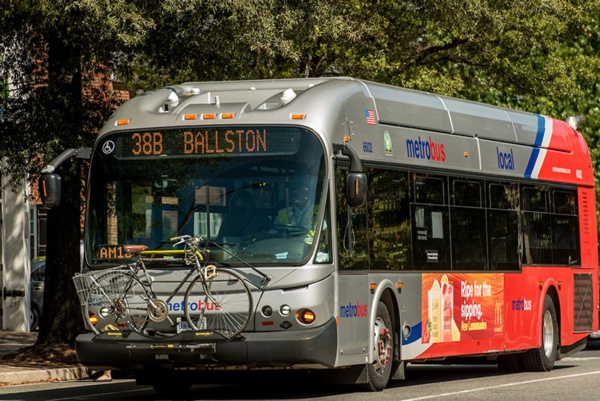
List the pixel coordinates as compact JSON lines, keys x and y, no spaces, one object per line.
{"x":356,"y":189}
{"x":49,"y":188}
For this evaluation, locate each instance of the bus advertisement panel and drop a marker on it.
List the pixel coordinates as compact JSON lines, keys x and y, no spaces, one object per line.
{"x":462,"y":306}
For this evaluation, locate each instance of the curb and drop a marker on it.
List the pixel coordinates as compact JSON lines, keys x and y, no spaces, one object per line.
{"x":26,"y":376}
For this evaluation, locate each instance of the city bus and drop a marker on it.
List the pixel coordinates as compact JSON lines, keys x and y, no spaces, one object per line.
{"x":437,"y":229}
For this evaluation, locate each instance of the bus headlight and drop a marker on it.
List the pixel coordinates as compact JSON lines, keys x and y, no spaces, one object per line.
{"x":267,"y":311}
{"x":284,"y":310}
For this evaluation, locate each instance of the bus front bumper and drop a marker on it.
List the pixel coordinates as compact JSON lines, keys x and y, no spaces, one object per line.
{"x":117,"y":350}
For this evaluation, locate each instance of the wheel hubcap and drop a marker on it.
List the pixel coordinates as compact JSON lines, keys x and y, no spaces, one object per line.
{"x":548,"y":334}
{"x":382,"y":345}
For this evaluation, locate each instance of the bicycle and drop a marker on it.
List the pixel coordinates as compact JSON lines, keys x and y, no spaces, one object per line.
{"x":216,"y":299}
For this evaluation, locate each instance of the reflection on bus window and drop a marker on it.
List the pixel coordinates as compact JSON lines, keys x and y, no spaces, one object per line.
{"x":422,"y":221}
{"x":232,"y":200}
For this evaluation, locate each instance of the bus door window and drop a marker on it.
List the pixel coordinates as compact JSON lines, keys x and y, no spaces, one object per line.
{"x":537,"y":240}
{"x":353,"y":245}
{"x":503,"y":226}
{"x":565,"y":228}
{"x":390,"y":240}
{"x":430,"y":217}
{"x":467,"y":222}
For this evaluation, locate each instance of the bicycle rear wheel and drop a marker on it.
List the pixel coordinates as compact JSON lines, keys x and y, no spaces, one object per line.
{"x":221,"y":304}
{"x":118,"y":301}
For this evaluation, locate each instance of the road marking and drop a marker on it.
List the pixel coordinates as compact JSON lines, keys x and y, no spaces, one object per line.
{"x":427,"y":397}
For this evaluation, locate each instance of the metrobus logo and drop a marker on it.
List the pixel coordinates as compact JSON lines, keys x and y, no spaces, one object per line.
{"x":193,"y":305}
{"x":353,"y":310}
{"x":419,"y":149}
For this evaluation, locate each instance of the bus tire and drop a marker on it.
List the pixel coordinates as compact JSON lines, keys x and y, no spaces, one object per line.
{"x":542,"y":359}
{"x":379,"y":372}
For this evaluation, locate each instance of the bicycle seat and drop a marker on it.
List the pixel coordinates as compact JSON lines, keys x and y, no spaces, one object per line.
{"x":134,"y":249}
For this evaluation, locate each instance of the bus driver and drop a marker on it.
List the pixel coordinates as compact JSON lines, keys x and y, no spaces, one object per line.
{"x":299,"y":211}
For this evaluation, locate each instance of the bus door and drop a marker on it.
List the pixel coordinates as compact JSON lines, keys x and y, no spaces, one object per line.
{"x":353,"y":283}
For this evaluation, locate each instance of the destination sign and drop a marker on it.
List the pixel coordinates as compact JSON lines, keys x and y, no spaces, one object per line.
{"x":203,"y":142}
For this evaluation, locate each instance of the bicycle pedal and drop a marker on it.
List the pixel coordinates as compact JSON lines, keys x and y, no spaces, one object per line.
{"x":210,"y":272}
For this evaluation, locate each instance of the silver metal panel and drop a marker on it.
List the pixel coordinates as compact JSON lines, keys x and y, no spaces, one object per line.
{"x":476,"y":119}
{"x":526,"y":126}
{"x":409,"y":108}
{"x":416,"y":147}
{"x":353,"y":308}
{"x":505,"y":158}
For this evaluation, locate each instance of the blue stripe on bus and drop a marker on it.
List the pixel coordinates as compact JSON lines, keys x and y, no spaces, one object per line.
{"x":539,"y":139}
{"x":415,"y":335}
{"x":532,"y":159}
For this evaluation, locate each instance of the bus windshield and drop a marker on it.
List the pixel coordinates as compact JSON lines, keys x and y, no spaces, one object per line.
{"x":255,"y":192}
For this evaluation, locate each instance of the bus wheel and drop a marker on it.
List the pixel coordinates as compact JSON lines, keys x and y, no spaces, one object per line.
{"x":378,"y":373}
{"x":542,"y":359}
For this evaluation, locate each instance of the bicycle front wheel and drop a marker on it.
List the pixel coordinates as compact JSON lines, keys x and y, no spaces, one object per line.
{"x":119,"y":302}
{"x":221,"y":304}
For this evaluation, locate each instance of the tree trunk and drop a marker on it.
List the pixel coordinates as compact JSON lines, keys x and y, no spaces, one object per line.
{"x":61,"y":319}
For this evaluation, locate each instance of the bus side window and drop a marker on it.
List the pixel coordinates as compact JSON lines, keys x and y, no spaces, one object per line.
{"x":389,"y":218}
{"x":537,"y":240}
{"x":565,"y":228}
{"x":503,"y":226}
{"x":467,"y":226}
{"x":430,"y":218}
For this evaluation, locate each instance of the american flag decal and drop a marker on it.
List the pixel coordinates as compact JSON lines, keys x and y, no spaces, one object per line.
{"x":370,"y":117}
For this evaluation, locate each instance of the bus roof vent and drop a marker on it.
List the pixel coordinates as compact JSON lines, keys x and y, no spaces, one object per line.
{"x":170,"y":104}
{"x":287,"y":96}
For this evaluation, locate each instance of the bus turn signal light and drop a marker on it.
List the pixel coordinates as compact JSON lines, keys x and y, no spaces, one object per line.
{"x":306,"y":316}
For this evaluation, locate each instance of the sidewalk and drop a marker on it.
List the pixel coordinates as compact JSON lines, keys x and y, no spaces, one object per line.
{"x":11,"y":374}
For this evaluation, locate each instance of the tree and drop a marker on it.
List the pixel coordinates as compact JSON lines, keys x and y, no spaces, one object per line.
{"x":52,"y":52}
{"x":540,"y":56}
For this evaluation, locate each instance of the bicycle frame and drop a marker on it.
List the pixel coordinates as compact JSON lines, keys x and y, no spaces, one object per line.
{"x":135,"y":307}
{"x":204,"y":272}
